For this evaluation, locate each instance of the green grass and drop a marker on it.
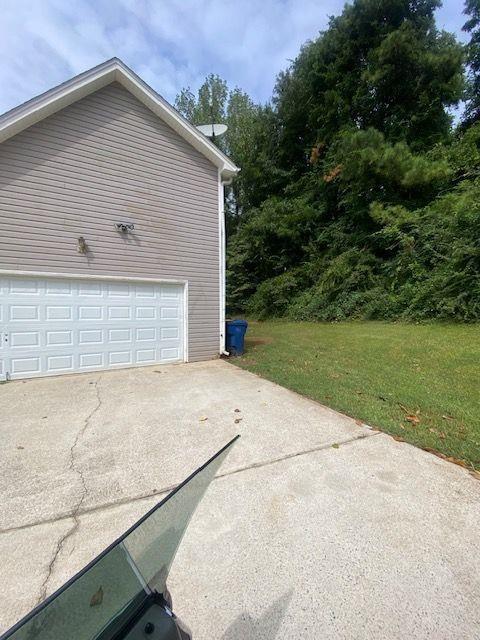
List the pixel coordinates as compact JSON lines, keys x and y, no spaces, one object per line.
{"x":382,"y":373}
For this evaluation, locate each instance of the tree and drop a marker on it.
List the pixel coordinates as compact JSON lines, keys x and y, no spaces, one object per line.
{"x":472,"y":26}
{"x":356,"y":198}
{"x":208,"y":107}
{"x":382,"y":64}
{"x":248,"y":141}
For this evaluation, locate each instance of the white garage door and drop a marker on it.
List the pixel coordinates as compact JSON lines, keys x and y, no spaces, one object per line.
{"x":50,"y":326}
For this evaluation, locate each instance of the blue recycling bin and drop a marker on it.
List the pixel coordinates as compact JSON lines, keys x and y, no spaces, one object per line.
{"x":235,"y":333}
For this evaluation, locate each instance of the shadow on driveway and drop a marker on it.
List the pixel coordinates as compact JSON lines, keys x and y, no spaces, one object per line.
{"x":245,"y":627}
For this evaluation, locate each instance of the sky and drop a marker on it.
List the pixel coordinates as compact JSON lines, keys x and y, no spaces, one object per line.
{"x":170,"y":44}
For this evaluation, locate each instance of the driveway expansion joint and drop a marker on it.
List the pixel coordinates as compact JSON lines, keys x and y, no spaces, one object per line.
{"x":76,"y":510}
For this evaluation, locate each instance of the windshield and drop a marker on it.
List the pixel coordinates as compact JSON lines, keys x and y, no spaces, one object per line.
{"x":121,"y":578}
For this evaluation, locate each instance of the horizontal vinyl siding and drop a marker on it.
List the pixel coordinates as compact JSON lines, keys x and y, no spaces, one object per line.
{"x":107,"y":159}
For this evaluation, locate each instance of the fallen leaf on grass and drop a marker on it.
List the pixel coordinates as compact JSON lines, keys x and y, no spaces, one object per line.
{"x":410,"y":417}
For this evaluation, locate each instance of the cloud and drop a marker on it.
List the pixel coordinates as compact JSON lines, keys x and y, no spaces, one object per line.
{"x":170,"y":43}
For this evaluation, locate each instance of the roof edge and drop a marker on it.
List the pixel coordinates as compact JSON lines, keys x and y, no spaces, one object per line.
{"x":65,"y":94}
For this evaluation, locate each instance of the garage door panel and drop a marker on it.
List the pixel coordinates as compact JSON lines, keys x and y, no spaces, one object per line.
{"x":58,"y":363}
{"x":90,"y":290}
{"x":169,"y":354}
{"x":58,"y":338}
{"x":24,"y":339}
{"x":59,"y":288}
{"x":90,"y":312}
{"x":93,"y":360}
{"x":146,"y":356}
{"x":118,"y":290}
{"x":119,"y":335}
{"x":24,"y":286}
{"x":24,"y":365}
{"x":145,"y":291}
{"x":120,"y":357}
{"x":54,"y":326}
{"x":143,"y":334}
{"x":23,"y":312}
{"x":86,"y":337}
{"x":169,"y":333}
{"x":60,"y":313}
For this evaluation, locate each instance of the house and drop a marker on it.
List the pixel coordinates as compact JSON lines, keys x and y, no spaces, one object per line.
{"x":112,"y":235}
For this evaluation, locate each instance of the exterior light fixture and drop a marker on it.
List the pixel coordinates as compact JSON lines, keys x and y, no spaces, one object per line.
{"x":124,"y":227}
{"x":82,"y":246}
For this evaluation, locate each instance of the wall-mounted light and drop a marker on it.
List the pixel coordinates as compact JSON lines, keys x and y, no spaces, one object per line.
{"x":124,"y":227}
{"x":82,"y":246}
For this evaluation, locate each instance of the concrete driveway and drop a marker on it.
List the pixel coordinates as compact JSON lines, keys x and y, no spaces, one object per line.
{"x":318,"y":527}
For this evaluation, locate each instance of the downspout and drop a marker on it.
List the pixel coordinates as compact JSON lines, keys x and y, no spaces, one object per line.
{"x":222,"y":257}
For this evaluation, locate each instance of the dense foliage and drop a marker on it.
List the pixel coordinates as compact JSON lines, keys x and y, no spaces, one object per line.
{"x":472,"y":110}
{"x":358,"y":197}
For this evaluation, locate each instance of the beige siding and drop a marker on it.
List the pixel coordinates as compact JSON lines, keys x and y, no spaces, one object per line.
{"x":103,"y":160}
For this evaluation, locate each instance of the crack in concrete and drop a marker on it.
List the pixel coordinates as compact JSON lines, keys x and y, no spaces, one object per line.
{"x":76,"y":510}
{"x":168,"y":488}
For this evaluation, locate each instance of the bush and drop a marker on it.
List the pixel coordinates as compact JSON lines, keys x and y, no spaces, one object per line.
{"x":273,"y":297}
{"x":387,"y":235}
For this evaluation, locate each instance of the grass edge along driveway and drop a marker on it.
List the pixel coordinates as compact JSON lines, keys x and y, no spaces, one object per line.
{"x":419,"y":383}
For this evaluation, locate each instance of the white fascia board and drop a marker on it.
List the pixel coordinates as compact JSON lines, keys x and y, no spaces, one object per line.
{"x":86,"y":83}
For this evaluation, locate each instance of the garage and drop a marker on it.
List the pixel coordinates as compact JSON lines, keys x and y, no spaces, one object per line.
{"x":58,"y":325}
{"x":112,"y":249}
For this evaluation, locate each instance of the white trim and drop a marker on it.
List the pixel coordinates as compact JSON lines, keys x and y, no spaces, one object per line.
{"x":86,"y":83}
{"x":87,"y":276}
{"x":185,"y":321}
{"x":221,"y":259}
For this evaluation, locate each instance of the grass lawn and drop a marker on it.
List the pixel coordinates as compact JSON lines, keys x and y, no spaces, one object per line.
{"x":418,"y":382}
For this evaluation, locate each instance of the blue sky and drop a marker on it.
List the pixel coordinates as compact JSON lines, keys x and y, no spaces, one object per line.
{"x":171,"y":44}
